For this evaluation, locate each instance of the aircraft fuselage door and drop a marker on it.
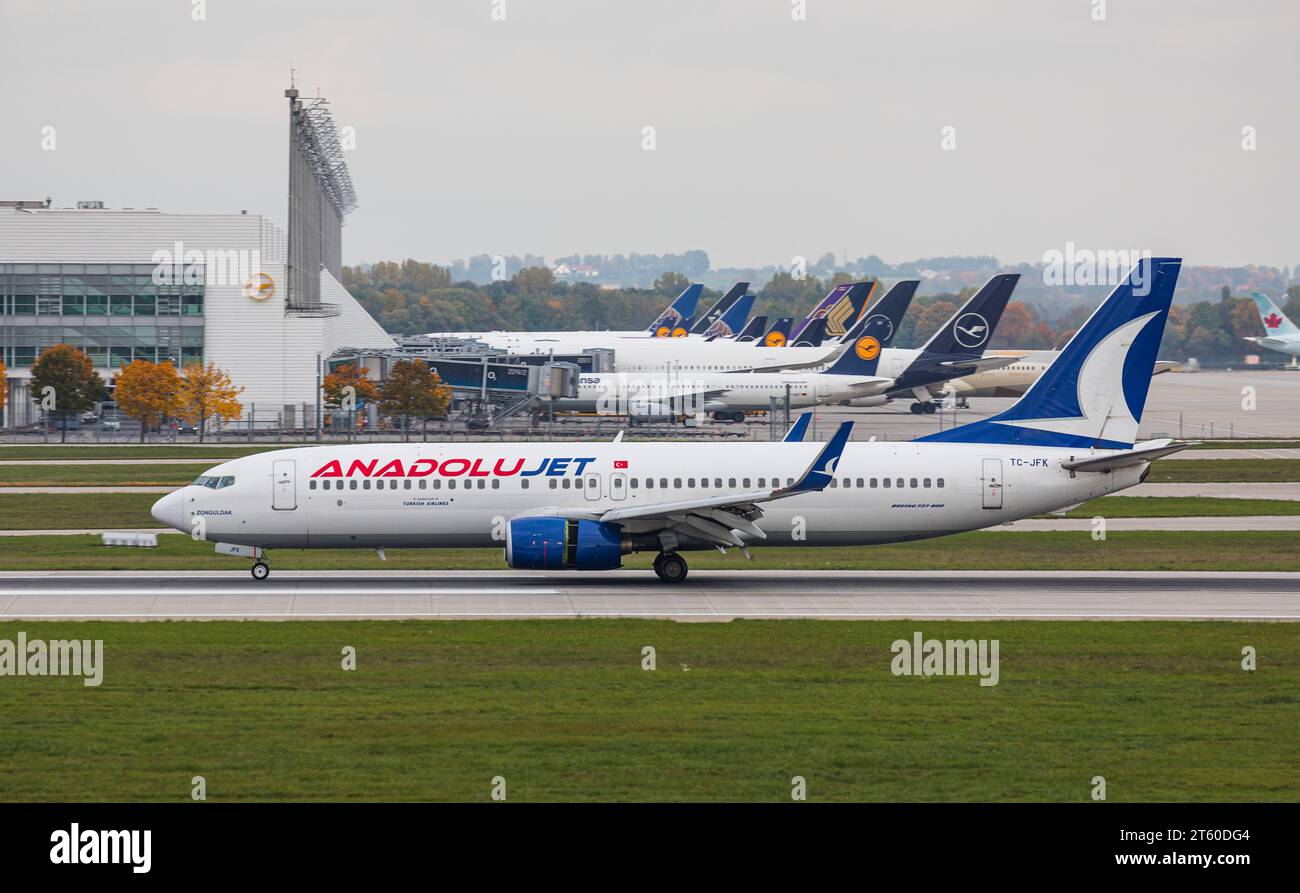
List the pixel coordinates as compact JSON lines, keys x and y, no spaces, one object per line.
{"x":992,"y":483}
{"x":592,"y":486}
{"x":617,"y":485}
{"x":284,"y":496}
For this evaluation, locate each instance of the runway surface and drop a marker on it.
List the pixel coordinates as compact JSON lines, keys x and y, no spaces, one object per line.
{"x":706,"y":596}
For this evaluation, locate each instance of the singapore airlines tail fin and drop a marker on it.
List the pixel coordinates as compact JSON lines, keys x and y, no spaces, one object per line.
{"x":840,"y":308}
{"x":703,"y":323}
{"x":1274,"y":320}
{"x":678,"y":313}
{"x":1093,"y":393}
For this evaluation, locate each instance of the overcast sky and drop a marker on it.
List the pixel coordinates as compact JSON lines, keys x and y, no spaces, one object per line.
{"x":774,"y":137}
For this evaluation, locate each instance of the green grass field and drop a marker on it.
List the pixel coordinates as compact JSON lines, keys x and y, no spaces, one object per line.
{"x":563,"y":711}
{"x":38,"y":475}
{"x":1124,"y":550}
{"x":1183,"y":507}
{"x":1202,"y":471}
{"x":1246,"y":445}
{"x":71,"y":511}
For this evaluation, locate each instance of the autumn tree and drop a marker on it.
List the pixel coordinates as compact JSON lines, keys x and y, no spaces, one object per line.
{"x":413,"y":389}
{"x":207,"y":392}
{"x":147,"y":392}
{"x":64,"y":383}
{"x":671,"y":284}
{"x":349,"y":376}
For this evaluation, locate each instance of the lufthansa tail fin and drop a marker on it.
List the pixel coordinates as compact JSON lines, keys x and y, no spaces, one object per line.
{"x":860,"y":354}
{"x":969,"y":329}
{"x":715,"y":312}
{"x":1095,"y":390}
{"x":753,"y":330}
{"x":779,"y":334}
{"x":678,"y":313}
{"x":811,"y":336}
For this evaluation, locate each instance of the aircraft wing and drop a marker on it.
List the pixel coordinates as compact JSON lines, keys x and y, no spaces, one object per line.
{"x":723,"y":518}
{"x":980,"y":364}
{"x":870,"y":387}
{"x":789,"y":367}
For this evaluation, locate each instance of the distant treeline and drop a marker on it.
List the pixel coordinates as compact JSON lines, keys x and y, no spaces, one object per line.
{"x":414,"y":298}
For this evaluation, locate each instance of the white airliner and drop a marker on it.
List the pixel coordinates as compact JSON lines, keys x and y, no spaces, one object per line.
{"x":1280,"y":333}
{"x":584,"y":506}
{"x":851,"y":375}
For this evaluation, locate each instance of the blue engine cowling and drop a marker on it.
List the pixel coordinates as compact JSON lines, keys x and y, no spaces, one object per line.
{"x":553,"y":544}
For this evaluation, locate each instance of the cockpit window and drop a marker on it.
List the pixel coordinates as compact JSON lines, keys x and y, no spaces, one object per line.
{"x":213,"y":482}
{"x":226,"y":482}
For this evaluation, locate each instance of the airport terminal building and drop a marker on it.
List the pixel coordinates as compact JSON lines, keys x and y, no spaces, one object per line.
{"x":127,"y":284}
{"x":234,"y":290}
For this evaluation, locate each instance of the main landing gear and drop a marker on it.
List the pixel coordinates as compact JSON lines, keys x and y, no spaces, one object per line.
{"x":260,"y":571}
{"x":671,"y":567}
{"x":928,"y":407}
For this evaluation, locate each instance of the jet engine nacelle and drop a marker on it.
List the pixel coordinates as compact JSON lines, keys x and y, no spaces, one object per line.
{"x":553,"y":544}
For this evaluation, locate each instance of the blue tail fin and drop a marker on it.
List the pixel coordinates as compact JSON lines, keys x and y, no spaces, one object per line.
{"x":677,"y":313}
{"x":1095,"y":390}
{"x":1274,"y":320}
{"x":969,"y":329}
{"x":779,"y":334}
{"x":798,"y":429}
{"x":812,"y":335}
{"x":733,"y":320}
{"x":715,"y":312}
{"x":753,"y":330}
{"x":863,"y":345}
{"x":893,"y":306}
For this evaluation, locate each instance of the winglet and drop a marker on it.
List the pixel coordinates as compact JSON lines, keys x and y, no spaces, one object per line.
{"x":798,"y":429}
{"x":818,"y":474}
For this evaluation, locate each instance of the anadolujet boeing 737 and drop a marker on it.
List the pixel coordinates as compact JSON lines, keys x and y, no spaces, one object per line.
{"x":583,"y":506}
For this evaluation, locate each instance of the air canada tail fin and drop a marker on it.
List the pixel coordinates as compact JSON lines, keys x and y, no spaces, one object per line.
{"x":1274,"y":320}
{"x":1095,"y":390}
{"x":753,"y":330}
{"x":715,"y":312}
{"x":678,"y":313}
{"x":733,"y":320}
{"x":779,"y":334}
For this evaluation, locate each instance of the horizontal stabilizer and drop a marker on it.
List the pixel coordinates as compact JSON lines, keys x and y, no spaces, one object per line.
{"x":1146,"y":452}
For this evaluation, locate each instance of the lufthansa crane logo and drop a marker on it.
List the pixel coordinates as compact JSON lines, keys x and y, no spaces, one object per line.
{"x":971,"y":331}
{"x":259,"y":287}
{"x":663,"y":332}
{"x":774,"y":339}
{"x":680,"y":332}
{"x":867,"y":348}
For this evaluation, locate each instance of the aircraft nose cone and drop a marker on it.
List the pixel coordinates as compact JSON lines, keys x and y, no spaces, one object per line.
{"x":170,"y":510}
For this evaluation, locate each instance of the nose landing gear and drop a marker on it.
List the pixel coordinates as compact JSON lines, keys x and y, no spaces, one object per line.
{"x":671,"y":567}
{"x":260,"y":571}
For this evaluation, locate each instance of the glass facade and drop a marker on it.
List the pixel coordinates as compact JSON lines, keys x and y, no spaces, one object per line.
{"x":116,"y":313}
